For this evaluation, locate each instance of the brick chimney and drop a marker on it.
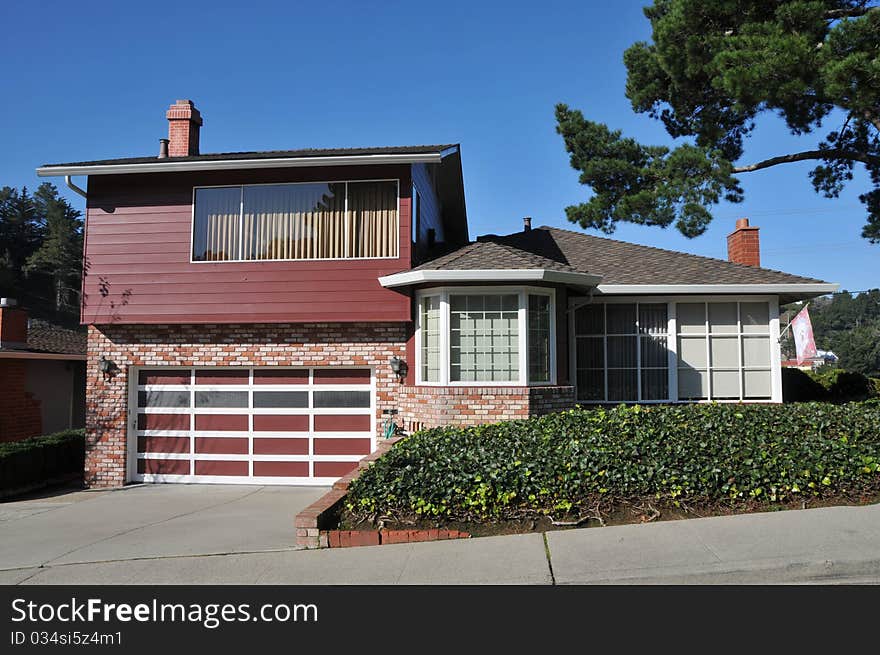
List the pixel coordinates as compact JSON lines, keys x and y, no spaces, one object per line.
{"x":13,"y":324}
{"x":184,"y":121}
{"x":743,"y":244}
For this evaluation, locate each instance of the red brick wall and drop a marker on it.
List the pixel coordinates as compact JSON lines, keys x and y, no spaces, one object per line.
{"x":422,"y":407}
{"x":19,"y":411}
{"x":13,"y":326}
{"x":282,"y":344}
{"x":743,"y":245}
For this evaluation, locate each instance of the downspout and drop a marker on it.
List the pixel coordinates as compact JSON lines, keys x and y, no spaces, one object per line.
{"x":73,"y":187}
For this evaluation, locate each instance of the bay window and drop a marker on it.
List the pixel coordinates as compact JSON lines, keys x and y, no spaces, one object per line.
{"x":499,"y":336}
{"x":312,"y":220}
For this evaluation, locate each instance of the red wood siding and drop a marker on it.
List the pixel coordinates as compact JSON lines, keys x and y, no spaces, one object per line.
{"x":138,"y":269}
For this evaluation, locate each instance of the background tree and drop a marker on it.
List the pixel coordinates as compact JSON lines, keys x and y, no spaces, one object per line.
{"x":848,"y":325}
{"x":20,"y":235}
{"x":60,"y":253}
{"x":41,"y":240}
{"x":710,"y":70}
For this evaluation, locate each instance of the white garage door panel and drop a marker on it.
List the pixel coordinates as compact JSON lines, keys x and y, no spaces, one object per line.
{"x":250,"y":425}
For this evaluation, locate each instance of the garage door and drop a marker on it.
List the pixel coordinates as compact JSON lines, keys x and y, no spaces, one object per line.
{"x":250,"y":425}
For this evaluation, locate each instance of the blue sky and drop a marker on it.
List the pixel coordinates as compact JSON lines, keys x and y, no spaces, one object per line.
{"x":92,"y":80}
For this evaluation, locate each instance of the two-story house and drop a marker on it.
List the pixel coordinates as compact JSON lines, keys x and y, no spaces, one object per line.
{"x":251,"y":315}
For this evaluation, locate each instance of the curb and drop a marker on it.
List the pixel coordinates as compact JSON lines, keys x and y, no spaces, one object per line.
{"x":315,"y":523}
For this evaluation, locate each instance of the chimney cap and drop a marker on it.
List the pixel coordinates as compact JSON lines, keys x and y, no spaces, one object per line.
{"x":8,"y":302}
{"x":527,"y":223}
{"x":741,"y":223}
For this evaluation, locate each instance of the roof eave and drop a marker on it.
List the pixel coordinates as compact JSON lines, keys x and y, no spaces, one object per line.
{"x":410,"y":278}
{"x":169,"y":165}
{"x":794,"y":291}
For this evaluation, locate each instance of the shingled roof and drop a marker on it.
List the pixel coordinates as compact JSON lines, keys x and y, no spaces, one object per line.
{"x":48,"y":338}
{"x":618,"y":262}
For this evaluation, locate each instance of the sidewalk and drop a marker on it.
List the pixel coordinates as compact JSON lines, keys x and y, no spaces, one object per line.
{"x":840,"y":544}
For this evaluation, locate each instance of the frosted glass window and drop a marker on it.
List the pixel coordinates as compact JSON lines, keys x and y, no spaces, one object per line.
{"x":692,"y":385}
{"x":725,"y":384}
{"x":484,"y":338}
{"x":756,"y":352}
{"x":539,"y":338}
{"x":755,"y":317}
{"x":430,"y":325}
{"x":691,"y":317}
{"x":692,"y":352}
{"x":724,"y":352}
{"x":722,"y":318}
{"x":757,"y":384}
{"x":739,"y":346}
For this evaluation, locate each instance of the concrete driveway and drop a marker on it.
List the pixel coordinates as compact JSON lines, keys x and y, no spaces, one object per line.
{"x":148,"y":521}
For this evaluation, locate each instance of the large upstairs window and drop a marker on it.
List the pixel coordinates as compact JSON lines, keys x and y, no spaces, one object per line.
{"x":314,"y":220}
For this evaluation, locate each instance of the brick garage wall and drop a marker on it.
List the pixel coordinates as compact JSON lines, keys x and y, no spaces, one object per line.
{"x":424,"y":407}
{"x":19,"y":410}
{"x":316,"y":344}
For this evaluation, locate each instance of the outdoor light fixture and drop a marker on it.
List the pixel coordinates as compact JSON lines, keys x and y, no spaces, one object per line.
{"x":106,"y":365}
{"x":398,"y":366}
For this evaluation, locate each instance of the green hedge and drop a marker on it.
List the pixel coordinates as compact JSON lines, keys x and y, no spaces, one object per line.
{"x":29,"y":462}
{"x":827,"y":384}
{"x":574,"y":459}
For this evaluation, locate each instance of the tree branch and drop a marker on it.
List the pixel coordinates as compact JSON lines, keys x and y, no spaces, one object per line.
{"x":829,"y":153}
{"x":854,"y":12}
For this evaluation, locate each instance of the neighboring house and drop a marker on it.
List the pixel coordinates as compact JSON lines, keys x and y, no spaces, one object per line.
{"x":822,"y":357}
{"x":42,"y":375}
{"x":253,"y":315}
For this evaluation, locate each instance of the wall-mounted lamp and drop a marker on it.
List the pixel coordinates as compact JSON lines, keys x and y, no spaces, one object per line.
{"x":398,"y":367}
{"x":107,"y":366}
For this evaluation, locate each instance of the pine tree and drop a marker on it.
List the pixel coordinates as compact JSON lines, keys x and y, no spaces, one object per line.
{"x":710,"y":70}
{"x":60,"y":253}
{"x":20,"y":236}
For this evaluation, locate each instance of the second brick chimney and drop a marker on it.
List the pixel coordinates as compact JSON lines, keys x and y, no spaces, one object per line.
{"x":13,"y":325}
{"x":184,"y":121}
{"x":743,"y":244}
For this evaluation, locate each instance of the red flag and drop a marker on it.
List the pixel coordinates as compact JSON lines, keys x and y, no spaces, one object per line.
{"x":802,"y":330}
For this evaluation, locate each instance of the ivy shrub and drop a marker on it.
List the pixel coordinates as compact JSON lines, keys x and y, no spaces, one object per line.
{"x":30,"y":462}
{"x":567,"y":462}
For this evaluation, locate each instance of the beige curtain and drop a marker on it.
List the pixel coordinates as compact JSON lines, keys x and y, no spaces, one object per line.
{"x":294,"y":221}
{"x":372,"y":208}
{"x":216,"y":235}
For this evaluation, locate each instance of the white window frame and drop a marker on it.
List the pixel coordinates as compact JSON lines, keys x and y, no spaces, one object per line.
{"x":672,"y":345}
{"x":192,"y":223}
{"x":523,"y":293}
